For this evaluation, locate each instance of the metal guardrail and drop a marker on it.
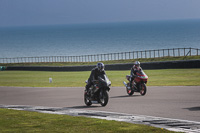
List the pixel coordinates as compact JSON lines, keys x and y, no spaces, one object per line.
{"x":174,"y":52}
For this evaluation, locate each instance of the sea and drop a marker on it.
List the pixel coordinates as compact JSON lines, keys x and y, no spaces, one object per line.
{"x":98,"y":38}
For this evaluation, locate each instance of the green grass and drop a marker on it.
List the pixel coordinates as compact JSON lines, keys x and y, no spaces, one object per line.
{"x":174,"y":77}
{"x":162,"y":77}
{"x":25,"y":121}
{"x":105,"y":62}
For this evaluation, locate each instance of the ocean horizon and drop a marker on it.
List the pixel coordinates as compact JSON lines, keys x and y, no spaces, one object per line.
{"x":100,"y":38}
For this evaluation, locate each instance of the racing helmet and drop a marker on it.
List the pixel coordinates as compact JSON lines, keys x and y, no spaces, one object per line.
{"x":136,"y":64}
{"x":100,"y":66}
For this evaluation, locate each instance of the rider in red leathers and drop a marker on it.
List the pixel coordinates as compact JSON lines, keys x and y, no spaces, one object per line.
{"x":136,"y":67}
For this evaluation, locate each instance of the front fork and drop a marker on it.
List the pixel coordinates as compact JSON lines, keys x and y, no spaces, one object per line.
{"x":140,"y":86}
{"x":101,"y":92}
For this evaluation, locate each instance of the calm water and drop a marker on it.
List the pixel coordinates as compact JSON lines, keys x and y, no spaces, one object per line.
{"x":71,"y":40}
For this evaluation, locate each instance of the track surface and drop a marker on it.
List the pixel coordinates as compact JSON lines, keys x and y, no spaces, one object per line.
{"x":182,"y":102}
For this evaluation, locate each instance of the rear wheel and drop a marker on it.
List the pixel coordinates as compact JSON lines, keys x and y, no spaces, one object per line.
{"x":104,"y":98}
{"x":129,"y":91}
{"x":143,"y":89}
{"x":86,"y":100}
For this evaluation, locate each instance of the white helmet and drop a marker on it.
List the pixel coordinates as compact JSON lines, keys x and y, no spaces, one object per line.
{"x":137,"y":64}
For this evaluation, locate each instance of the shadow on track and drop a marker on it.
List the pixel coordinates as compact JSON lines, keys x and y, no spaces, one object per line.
{"x":125,"y":96}
{"x":83,"y":107}
{"x":193,"y":108}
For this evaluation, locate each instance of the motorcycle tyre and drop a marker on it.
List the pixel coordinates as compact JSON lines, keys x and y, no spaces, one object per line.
{"x":87,"y":102}
{"x":129,"y":92}
{"x":105,"y":98}
{"x":143,"y":89}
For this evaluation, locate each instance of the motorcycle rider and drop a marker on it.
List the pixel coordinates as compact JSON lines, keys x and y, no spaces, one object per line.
{"x":98,"y":70}
{"x":136,"y":67}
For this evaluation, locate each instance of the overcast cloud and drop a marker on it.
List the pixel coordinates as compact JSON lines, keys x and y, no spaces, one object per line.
{"x":51,"y":12}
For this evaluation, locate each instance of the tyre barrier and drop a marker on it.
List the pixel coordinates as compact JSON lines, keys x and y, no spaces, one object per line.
{"x":147,"y":65}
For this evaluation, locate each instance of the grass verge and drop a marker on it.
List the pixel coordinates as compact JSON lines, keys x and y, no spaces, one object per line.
{"x":25,"y":121}
{"x":162,"y":77}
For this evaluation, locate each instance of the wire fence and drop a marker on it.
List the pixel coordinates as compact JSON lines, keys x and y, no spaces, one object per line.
{"x":174,"y":52}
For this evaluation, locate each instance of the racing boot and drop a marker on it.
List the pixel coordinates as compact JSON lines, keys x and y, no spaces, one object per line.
{"x":87,"y":90}
{"x":130,"y":86}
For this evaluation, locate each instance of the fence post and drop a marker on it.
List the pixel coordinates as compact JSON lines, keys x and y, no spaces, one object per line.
{"x":118,"y":55}
{"x":145,"y":54}
{"x":150,"y":53}
{"x":184,"y":51}
{"x":163,"y":53}
{"x":178,"y":52}
{"x":168,"y":53}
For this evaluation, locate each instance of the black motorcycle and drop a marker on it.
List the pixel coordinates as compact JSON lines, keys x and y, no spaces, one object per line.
{"x":98,"y":92}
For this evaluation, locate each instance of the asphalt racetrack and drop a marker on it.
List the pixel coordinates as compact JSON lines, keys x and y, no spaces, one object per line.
{"x":180,"y":102}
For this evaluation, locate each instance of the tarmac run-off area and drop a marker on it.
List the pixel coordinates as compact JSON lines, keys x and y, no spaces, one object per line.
{"x":175,"y":108}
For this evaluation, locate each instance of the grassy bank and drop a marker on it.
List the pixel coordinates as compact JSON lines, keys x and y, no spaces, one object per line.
{"x":164,"y":77}
{"x":24,"y":121}
{"x":105,"y":62}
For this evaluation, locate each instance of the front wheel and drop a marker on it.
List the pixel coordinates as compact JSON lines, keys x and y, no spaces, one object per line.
{"x":129,"y":91}
{"x":104,"y":98}
{"x":86,"y":100}
{"x":143,"y":89}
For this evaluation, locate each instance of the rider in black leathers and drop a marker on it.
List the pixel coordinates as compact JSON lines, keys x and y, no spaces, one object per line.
{"x":98,"y":70}
{"x":136,"y":67}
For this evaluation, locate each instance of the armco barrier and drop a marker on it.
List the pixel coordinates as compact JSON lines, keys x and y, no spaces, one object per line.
{"x":147,"y":65}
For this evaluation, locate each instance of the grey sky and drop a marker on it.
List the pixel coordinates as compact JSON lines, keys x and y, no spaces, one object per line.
{"x":47,"y":12}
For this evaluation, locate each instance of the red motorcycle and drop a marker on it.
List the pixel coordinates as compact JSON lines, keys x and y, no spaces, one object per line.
{"x":138,"y":85}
